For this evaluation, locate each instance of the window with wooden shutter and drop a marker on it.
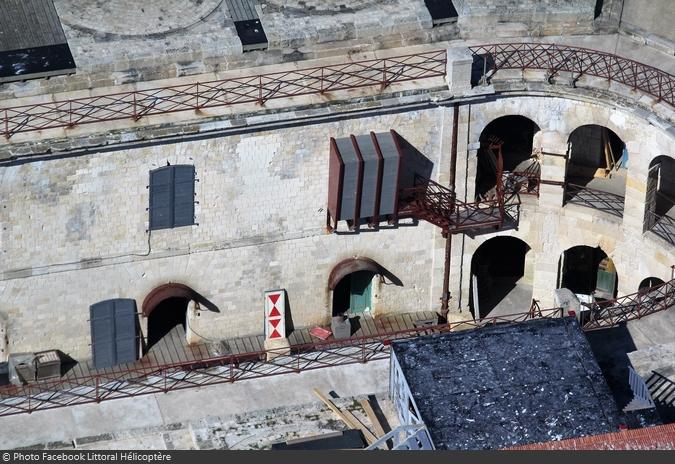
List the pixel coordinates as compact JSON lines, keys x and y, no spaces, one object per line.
{"x":172,"y":192}
{"x":114,"y":334}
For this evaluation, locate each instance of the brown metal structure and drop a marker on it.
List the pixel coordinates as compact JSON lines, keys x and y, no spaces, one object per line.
{"x":434,"y":203}
{"x":350,"y":265}
{"x":161,"y":293}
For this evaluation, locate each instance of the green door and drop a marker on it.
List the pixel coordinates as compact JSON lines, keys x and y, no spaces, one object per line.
{"x":359,"y":292}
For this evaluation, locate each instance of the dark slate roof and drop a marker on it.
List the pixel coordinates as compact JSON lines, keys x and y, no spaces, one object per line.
{"x":508,"y":385}
{"x":32,"y":41}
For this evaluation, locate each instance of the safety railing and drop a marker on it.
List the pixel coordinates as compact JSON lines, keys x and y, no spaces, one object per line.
{"x":609,"y":313}
{"x":145,"y":380}
{"x":593,"y":198}
{"x":522,"y":182}
{"x":662,"y":225}
{"x":258,"y":89}
{"x":578,"y":61}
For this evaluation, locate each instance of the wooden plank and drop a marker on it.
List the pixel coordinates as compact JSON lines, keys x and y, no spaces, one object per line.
{"x":347,"y":417}
{"x":372,"y":417}
{"x":249,"y":346}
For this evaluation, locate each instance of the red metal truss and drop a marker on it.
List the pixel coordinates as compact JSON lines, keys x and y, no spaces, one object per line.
{"x":579,"y":61}
{"x":251,"y":89}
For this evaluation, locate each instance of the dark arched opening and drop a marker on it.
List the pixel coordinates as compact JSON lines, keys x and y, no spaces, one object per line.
{"x":588,"y":272}
{"x":168,"y":319}
{"x":517,"y":134}
{"x":500,"y":281}
{"x":353,"y":293}
{"x":351,"y":283}
{"x":596,"y":169}
{"x":649,"y":282}
{"x":166,"y":310}
{"x":660,"y":198}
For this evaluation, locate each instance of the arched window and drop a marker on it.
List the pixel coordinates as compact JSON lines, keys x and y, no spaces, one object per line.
{"x":517,"y":134}
{"x":588,"y":271}
{"x":501,"y":283}
{"x":596,"y":169}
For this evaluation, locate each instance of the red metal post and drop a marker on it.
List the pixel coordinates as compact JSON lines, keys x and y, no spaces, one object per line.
{"x":7,"y":136}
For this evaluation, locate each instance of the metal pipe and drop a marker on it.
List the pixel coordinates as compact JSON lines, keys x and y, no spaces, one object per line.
{"x":445,"y":297}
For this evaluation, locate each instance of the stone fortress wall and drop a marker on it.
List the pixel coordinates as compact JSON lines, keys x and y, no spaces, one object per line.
{"x":74,"y":225}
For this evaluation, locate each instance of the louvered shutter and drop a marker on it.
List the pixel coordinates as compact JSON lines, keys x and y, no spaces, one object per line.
{"x":161,"y":198}
{"x":172,"y":191}
{"x":114,"y":336}
{"x":184,"y":196}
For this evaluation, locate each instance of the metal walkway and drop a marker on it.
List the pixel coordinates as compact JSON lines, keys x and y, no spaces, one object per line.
{"x":143,"y":380}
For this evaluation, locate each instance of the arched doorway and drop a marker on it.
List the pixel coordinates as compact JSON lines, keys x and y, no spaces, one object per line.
{"x":660,"y":198}
{"x":596,"y":169}
{"x":351,"y":282}
{"x":517,"y":133}
{"x":166,"y":311}
{"x":649,"y":282}
{"x":588,"y":272}
{"x":501,"y":280}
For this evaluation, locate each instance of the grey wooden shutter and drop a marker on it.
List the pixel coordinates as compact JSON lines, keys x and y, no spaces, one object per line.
{"x":161,"y":198}
{"x":172,"y":191}
{"x":184,"y":196}
{"x":114,"y":336}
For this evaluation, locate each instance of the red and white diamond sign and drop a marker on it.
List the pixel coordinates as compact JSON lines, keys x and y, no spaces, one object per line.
{"x":275,"y":314}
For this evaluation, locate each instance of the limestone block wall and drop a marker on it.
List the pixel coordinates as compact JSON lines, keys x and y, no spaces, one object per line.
{"x":507,"y":18}
{"x":74,"y":233}
{"x":73,"y":229}
{"x":548,"y":227}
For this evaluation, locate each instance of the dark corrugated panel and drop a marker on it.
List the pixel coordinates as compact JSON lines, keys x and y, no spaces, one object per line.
{"x":389,"y":173}
{"x":350,"y":178}
{"x":114,"y":338}
{"x":370,"y":173}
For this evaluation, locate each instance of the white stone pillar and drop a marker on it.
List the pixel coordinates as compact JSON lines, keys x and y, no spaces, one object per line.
{"x":458,"y":70}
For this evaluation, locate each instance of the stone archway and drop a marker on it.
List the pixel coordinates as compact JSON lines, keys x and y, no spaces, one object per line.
{"x":517,"y":134}
{"x":351,"y":285}
{"x":596,"y":170}
{"x":501,"y":280}
{"x":166,"y":310}
{"x":588,"y":272}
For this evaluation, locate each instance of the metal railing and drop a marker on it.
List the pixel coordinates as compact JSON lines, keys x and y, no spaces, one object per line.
{"x":578,"y":61}
{"x":405,"y":438}
{"x":660,"y":224}
{"x":146,"y":380}
{"x":647,"y":301}
{"x":593,"y":198}
{"x":258,"y":89}
{"x":641,"y":396}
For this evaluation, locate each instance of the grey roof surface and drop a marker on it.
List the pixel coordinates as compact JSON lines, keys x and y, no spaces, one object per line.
{"x":508,"y":385}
